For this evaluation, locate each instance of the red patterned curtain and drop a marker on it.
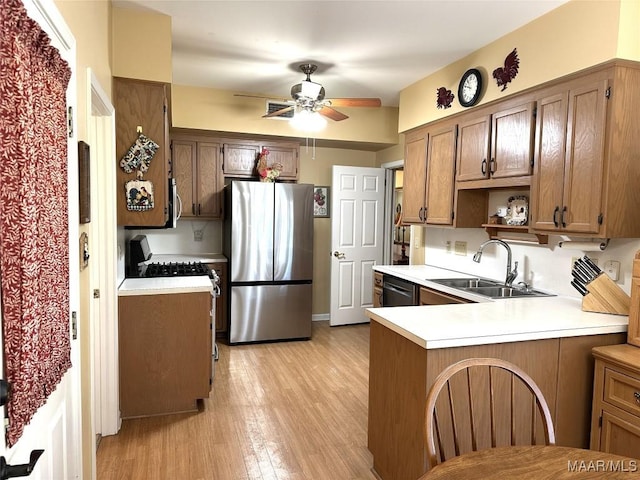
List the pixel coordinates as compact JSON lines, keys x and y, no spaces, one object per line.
{"x":34,"y":230}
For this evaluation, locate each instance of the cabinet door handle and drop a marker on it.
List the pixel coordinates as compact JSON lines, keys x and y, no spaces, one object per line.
{"x":483,"y":167}
{"x":193,"y":209}
{"x":637,"y":397}
{"x":420,"y":214}
{"x":492,"y":165}
{"x":199,"y":209}
{"x":555,"y":216}
{"x":564,"y":210}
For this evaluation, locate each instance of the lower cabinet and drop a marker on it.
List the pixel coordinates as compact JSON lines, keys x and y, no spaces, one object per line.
{"x":377,"y":289}
{"x":165,"y":352}
{"x":615,"y":422}
{"x":429,"y":296}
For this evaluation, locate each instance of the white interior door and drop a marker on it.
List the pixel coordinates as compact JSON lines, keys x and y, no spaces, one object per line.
{"x":357,"y":240}
{"x":55,"y":427}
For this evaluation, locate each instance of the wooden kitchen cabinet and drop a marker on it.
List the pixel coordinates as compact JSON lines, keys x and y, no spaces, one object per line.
{"x":429,"y":296}
{"x":429,"y":170}
{"x":222,"y":300}
{"x":496,"y":143}
{"x":142,"y":106}
{"x":198,"y":172}
{"x":377,"y":289}
{"x":586,"y":168}
{"x":165,"y":348}
{"x":615,"y":424}
{"x":240,"y":158}
{"x":401,"y":372}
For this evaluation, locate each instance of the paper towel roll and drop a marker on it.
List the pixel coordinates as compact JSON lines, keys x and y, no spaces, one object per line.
{"x":584,"y":246}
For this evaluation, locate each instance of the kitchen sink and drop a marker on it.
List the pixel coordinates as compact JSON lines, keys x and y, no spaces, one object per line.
{"x":467,"y":282}
{"x":490,"y":288}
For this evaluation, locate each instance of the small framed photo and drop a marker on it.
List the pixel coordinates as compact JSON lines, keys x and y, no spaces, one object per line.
{"x":320,"y":201}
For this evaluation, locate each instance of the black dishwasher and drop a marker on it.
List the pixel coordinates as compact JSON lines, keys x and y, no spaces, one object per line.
{"x":397,"y":292}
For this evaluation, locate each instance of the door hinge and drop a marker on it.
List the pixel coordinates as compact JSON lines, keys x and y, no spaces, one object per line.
{"x":70,"y":121}
{"x":74,"y":325}
{"x":600,"y":219}
{"x":607,"y":92}
{"x":96,"y":293}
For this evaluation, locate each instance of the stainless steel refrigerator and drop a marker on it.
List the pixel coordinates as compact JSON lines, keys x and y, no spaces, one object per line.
{"x":269,"y":245}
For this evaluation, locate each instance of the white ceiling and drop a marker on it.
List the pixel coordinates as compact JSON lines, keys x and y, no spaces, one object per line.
{"x":362,"y":48}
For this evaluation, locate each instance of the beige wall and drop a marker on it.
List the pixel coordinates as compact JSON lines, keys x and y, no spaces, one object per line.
{"x":90,"y":24}
{"x":574,"y":36}
{"x":318,"y":171}
{"x":141,"y":45}
{"x":212,"y":109}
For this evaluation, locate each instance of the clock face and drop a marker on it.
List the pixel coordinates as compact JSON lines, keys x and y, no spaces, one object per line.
{"x":470,"y":88}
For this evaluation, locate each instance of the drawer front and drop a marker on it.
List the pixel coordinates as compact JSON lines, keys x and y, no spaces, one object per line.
{"x":622,"y":391}
{"x":377,"y":279}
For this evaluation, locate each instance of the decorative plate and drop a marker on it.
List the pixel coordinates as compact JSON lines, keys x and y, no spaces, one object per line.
{"x":517,"y":210}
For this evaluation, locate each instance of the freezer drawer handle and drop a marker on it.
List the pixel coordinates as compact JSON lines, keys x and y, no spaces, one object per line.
{"x":339,"y":255}
{"x":24,"y":470}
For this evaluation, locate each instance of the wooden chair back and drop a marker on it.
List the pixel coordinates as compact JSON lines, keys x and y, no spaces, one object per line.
{"x":481,"y":403}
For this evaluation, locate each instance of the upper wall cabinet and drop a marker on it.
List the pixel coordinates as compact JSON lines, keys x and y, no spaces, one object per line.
{"x":429,"y":169}
{"x":198,"y":173}
{"x":240,"y":158}
{"x":496,"y":144}
{"x":587,"y":169}
{"x":141,"y":107}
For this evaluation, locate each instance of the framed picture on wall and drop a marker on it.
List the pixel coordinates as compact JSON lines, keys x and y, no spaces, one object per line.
{"x":321,"y":201}
{"x":84,"y":182}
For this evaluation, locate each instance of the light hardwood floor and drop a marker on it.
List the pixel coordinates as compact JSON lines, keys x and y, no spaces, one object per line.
{"x":286,"y":410}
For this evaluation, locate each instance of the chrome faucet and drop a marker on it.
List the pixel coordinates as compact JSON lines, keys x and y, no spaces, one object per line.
{"x":511,"y":274}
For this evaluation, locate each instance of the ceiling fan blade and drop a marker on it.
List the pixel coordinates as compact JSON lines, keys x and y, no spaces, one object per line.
{"x":278,"y":112}
{"x":355,"y":102}
{"x":275,"y":99}
{"x":332,"y":114}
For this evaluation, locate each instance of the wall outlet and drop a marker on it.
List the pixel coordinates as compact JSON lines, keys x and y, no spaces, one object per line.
{"x":460,"y":248}
{"x":612,"y":268}
{"x":447,"y":246}
{"x":197,"y":235}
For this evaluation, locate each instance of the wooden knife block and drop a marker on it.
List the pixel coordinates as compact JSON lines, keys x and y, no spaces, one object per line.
{"x":605,"y":296}
{"x":633,"y":334}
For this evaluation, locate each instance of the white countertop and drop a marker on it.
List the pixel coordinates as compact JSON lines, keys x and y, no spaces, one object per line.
{"x":164,"y":285}
{"x":491,"y":321}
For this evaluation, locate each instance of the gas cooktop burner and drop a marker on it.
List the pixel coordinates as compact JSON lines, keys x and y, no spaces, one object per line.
{"x":175,"y":269}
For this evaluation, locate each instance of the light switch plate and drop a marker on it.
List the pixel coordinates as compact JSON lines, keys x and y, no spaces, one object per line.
{"x":460,"y":248}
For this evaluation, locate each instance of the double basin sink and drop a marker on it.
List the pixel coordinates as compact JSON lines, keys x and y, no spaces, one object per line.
{"x":490,"y":288}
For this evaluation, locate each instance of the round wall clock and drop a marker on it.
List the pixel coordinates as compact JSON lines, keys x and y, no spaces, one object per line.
{"x":470,"y":87}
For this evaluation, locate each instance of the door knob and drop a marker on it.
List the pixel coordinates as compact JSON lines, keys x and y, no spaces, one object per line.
{"x":338,"y":255}
{"x":24,"y":470}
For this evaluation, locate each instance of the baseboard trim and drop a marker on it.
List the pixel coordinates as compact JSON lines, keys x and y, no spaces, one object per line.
{"x":320,"y":317}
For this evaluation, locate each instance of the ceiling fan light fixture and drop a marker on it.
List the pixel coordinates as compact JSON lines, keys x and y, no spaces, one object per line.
{"x":307,"y":90}
{"x":308,"y":121}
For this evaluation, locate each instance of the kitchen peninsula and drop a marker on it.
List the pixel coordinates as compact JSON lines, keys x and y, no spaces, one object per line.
{"x":549,"y":337}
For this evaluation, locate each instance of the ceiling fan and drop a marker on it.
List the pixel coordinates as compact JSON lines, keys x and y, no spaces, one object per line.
{"x":309,"y":96}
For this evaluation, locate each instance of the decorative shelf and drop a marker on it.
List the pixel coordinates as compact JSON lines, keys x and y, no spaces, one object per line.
{"x":499,"y":231}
